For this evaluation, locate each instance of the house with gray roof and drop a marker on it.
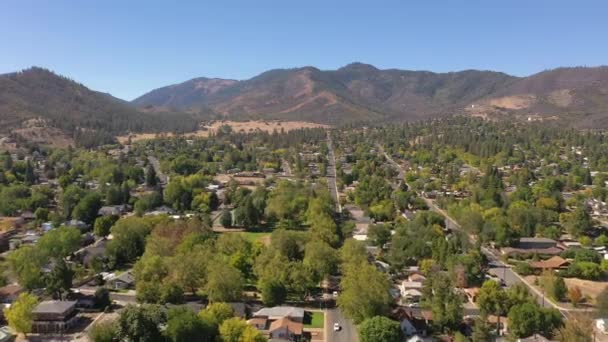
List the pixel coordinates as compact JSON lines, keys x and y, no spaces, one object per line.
{"x":54,"y":317}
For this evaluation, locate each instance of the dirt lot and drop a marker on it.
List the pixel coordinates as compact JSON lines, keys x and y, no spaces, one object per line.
{"x":237,"y":126}
{"x":588,"y":287}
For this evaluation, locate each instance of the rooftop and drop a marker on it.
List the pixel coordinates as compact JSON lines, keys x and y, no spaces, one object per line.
{"x":285,"y":322}
{"x":281,"y":311}
{"x":54,"y":307}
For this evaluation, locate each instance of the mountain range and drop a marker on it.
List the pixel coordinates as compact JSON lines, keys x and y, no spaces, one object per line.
{"x":576,"y":96}
{"x":360,"y":92}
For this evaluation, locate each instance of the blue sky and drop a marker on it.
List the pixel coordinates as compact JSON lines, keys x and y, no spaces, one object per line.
{"x":129,"y":47}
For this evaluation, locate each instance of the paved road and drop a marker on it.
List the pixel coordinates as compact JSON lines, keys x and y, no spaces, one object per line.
{"x":331,"y":173}
{"x":348,"y":333}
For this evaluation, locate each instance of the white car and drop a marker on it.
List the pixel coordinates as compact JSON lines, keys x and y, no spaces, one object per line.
{"x":337,"y":327}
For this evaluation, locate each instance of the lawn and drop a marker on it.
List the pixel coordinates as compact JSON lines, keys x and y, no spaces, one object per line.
{"x":262,"y":237}
{"x":314,"y":319}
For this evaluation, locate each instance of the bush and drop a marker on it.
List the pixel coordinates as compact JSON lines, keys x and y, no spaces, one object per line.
{"x":523,"y":269}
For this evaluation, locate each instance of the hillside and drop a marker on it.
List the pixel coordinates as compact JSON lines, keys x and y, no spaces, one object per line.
{"x":362,"y":92}
{"x":58,"y":102}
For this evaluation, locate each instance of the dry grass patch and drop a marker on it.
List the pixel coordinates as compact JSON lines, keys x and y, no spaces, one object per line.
{"x":237,"y":126}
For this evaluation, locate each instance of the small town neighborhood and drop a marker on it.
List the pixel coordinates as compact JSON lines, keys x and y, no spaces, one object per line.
{"x":92,"y":278}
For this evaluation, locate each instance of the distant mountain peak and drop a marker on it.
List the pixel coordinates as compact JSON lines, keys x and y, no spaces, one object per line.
{"x":358,"y":66}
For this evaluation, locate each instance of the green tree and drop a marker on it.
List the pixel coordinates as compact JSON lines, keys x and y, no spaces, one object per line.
{"x":19,"y":315}
{"x":42,"y":214}
{"x":379,"y":329}
{"x":216,"y":313}
{"x":102,"y":298}
{"x":481,"y":330}
{"x":237,"y":330}
{"x":273,"y":292}
{"x":379,"y":234}
{"x":87,"y":208}
{"x":445,"y":304}
{"x":226,"y":218}
{"x":528,"y":318}
{"x":224,"y":283}
{"x":183,"y":325}
{"x":103,"y":225}
{"x":321,"y":258}
{"x":141,"y":323}
{"x":151,"y":179}
{"x":365,"y":292}
{"x":59,"y":281}
{"x":26,"y":263}
{"x":69,"y":199}
{"x":60,"y":242}
{"x":577,"y":222}
{"x":492,"y":300}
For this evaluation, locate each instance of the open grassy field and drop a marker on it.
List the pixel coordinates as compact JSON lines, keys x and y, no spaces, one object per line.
{"x":237,"y":126}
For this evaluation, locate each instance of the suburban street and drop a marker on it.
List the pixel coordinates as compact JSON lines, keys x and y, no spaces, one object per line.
{"x":331,"y":174}
{"x":348,"y":333}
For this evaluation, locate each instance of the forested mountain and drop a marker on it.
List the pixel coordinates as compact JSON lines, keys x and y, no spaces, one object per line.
{"x":61,"y":103}
{"x":361,"y":92}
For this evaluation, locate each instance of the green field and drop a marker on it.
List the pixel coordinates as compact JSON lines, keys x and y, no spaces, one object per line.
{"x":314,"y":319}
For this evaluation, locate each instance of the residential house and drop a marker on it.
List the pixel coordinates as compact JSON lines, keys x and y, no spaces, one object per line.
{"x":409,"y":285}
{"x":88,"y":254}
{"x":124,"y":281}
{"x":113,"y":210}
{"x":533,"y":245}
{"x":274,"y":313}
{"x":260,"y":323}
{"x":534,"y":338}
{"x":279,"y":322}
{"x":162,"y":210}
{"x":416,"y":277}
{"x":285,"y":328}
{"x":54,"y":317}
{"x":77,"y":224}
{"x":412,"y":295}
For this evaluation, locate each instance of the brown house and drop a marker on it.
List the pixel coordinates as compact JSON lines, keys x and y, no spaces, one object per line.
{"x":553,"y":263}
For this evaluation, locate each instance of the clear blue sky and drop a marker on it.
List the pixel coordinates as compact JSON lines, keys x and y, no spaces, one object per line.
{"x":129,"y":47}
